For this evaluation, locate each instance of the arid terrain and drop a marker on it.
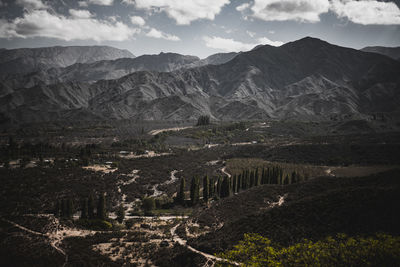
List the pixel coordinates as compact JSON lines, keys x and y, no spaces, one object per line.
{"x":346,"y":170}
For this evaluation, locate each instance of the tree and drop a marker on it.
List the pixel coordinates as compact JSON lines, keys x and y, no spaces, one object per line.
{"x":70,"y":209}
{"x":85,"y":208}
{"x":63,"y":212}
{"x":101,"y":207}
{"x":194,"y":191}
{"x":91,"y":207}
{"x":286,"y":180}
{"x":206,"y":188}
{"x":181,"y":193}
{"x":234,"y":184}
{"x":226,"y":187}
{"x":57,"y":209}
{"x":256,"y":178}
{"x":203,"y":120}
{"x":120,"y":214}
{"x":148,"y":204}
{"x":219,"y":186}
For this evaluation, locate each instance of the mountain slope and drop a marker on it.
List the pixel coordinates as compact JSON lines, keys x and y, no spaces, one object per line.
{"x":313,"y":210}
{"x":392,"y":52}
{"x":114,"y":69}
{"x":25,"y":60}
{"x":305,"y":79}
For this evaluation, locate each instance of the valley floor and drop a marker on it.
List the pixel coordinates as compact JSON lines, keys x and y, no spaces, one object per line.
{"x":349,"y":184}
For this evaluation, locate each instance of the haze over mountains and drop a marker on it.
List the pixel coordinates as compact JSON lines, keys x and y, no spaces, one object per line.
{"x":306,"y":79}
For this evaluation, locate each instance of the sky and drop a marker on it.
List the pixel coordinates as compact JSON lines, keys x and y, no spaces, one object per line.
{"x":196,"y":27}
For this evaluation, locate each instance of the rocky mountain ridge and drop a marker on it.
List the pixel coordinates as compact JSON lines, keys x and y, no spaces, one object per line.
{"x":305,"y":79}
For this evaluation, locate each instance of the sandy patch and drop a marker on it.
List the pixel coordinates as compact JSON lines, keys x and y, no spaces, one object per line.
{"x":100,"y":168}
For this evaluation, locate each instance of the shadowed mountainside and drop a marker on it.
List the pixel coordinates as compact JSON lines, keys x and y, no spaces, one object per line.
{"x":306,"y":79}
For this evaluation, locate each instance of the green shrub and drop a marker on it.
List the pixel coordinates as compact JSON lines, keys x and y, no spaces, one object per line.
{"x":377,"y":250}
{"x":95,"y":224}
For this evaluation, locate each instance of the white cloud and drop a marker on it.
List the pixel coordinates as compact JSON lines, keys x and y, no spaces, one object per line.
{"x":82,"y":3}
{"x":41,"y":23}
{"x":101,"y":2}
{"x":242,"y":7}
{"x":230,"y":45}
{"x":183,"y":11}
{"x":154,"y":33}
{"x":138,"y":20}
{"x":266,"y":41}
{"x":282,"y":10}
{"x":31,"y":4}
{"x":83,"y":14}
{"x":367,"y":11}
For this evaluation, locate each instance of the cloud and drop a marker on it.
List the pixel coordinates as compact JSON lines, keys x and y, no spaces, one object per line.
{"x":83,"y":14}
{"x":82,"y":3}
{"x":230,"y":45}
{"x":266,"y":41}
{"x":101,"y":2}
{"x":41,"y":23}
{"x":367,"y":12}
{"x":283,"y":10}
{"x":31,"y":4}
{"x":243,"y":7}
{"x":154,"y":33}
{"x":184,"y":11}
{"x":138,"y":20}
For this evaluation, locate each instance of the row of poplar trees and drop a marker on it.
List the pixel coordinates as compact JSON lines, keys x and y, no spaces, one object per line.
{"x":65,"y":208}
{"x":225,"y":186}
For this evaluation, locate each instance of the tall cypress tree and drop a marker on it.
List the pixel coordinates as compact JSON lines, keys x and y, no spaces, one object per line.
{"x":286,"y":180}
{"x":91,"y":207}
{"x":70,"y":208}
{"x":225,"y":187}
{"x":206,"y":188}
{"x":194,"y":191}
{"x":256,"y":178}
{"x":181,"y":193}
{"x":57,"y":209}
{"x":212,"y":188}
{"x":294,"y":177}
{"x":101,"y":207}
{"x":120,"y":214}
{"x":64,"y":208}
{"x":85,"y":209}
{"x":234,"y":184}
{"x":219,"y":185}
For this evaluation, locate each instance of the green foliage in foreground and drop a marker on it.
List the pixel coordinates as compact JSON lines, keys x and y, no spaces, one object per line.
{"x":378,"y":250}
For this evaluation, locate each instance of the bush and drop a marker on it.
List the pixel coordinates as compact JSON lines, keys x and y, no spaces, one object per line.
{"x":148,"y":204}
{"x":378,"y":250}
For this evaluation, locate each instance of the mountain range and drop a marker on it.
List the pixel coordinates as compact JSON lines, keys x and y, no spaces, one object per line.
{"x":25,"y":60}
{"x":392,"y":52}
{"x":304,"y":79}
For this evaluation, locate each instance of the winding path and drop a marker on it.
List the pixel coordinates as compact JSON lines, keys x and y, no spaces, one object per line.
{"x":182,"y":242}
